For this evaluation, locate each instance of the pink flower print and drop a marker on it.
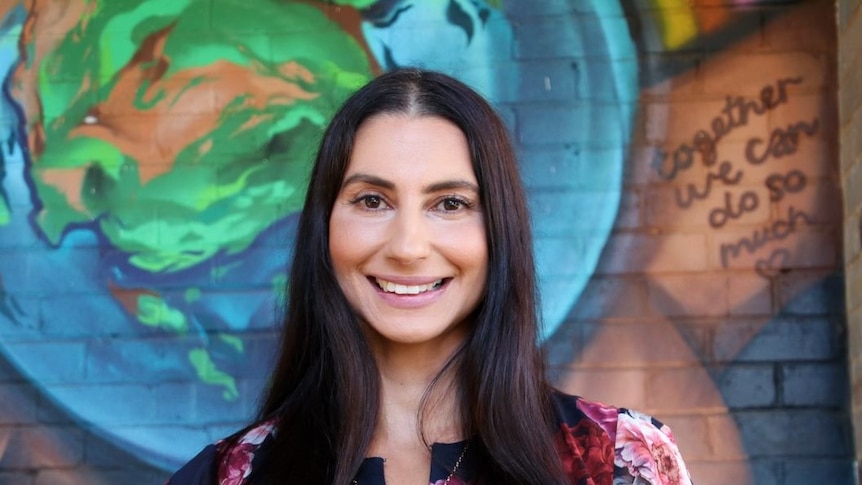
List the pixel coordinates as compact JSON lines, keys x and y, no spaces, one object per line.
{"x":649,"y":453}
{"x":604,"y":415}
{"x":257,"y":434}
{"x":236,"y":464}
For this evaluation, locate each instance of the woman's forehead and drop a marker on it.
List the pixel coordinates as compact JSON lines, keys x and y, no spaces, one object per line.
{"x":400,"y":145}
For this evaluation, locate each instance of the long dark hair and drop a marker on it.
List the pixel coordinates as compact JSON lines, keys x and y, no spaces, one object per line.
{"x":324,"y":392}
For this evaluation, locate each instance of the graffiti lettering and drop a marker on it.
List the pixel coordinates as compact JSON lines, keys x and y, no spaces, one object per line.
{"x":789,"y":183}
{"x":720,"y":216}
{"x":735,"y":114}
{"x":773,"y":265}
{"x":691,"y":192}
{"x":776,"y":231}
{"x":781,"y":142}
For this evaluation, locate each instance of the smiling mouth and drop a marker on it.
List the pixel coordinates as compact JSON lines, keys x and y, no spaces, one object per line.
{"x":390,"y":287}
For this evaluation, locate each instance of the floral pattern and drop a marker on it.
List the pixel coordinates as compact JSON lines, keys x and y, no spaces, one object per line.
{"x":597,"y":445}
{"x":601,"y":414}
{"x":647,"y":451}
{"x":586,"y":453}
{"x":237,"y":462}
{"x":641,"y":449}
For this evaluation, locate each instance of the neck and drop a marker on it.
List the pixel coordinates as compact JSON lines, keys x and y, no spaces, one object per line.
{"x":406,"y":375}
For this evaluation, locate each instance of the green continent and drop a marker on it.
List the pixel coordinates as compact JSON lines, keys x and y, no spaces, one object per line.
{"x":210,"y":374}
{"x":223,"y":188}
{"x":155,"y":312}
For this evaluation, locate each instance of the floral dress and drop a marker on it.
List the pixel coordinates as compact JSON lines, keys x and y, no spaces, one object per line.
{"x":598,"y":445}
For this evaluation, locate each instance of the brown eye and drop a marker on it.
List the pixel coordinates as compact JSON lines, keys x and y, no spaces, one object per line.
{"x":372,"y":202}
{"x":451,"y":204}
{"x":369,"y":202}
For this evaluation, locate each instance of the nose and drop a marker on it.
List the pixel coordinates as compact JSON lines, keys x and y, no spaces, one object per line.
{"x":409,"y":237}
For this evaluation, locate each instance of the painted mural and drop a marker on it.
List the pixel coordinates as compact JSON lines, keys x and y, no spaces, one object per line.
{"x":154,"y":157}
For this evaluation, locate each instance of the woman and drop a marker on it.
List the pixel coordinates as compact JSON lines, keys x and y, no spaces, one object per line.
{"x":410,"y":341}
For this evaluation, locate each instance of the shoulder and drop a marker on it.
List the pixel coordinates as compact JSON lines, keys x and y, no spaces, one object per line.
{"x":238,"y":454}
{"x":645,"y":449}
{"x":198,"y":470}
{"x":630,"y":446}
{"x":585,"y":439}
{"x":231,"y":459}
{"x":574,"y":410}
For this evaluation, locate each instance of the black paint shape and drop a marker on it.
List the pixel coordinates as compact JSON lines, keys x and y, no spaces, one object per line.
{"x":388,"y":60}
{"x":458,"y":17}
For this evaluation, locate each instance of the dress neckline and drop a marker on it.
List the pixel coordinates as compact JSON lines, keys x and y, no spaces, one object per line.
{"x":443,"y":458}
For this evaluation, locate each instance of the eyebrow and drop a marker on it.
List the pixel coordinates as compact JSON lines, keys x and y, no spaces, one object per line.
{"x":386,"y":184}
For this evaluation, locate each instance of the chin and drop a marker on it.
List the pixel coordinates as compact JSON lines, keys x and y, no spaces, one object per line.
{"x":442,"y":338}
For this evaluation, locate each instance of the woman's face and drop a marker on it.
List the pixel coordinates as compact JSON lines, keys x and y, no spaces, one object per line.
{"x":406,"y":235}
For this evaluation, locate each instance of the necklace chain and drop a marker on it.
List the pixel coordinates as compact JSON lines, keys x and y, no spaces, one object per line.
{"x":454,"y":468}
{"x":457,"y":463}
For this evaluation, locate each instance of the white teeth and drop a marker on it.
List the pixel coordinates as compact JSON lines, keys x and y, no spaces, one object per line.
{"x":391,"y":287}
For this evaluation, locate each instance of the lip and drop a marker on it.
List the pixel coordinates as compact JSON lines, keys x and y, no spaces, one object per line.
{"x":408,"y":280}
{"x":410,"y":301}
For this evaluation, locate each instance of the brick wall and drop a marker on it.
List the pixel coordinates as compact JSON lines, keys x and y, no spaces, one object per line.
{"x":742,"y":353}
{"x":850,"y":115}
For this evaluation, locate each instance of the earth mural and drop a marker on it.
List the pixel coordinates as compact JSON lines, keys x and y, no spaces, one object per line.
{"x":154,"y":159}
